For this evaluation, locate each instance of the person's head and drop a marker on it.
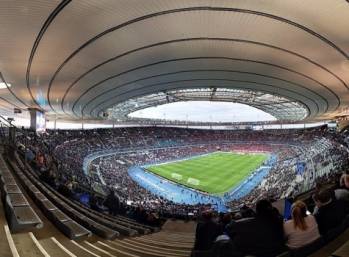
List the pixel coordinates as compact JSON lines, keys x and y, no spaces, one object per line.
{"x":322,"y":198}
{"x":226,"y":219}
{"x":299,"y":212}
{"x":207,"y":215}
{"x":263,"y":208}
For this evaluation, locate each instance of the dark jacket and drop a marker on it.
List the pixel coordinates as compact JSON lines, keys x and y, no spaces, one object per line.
{"x":258,"y":236}
{"x":331,"y":215}
{"x":206,"y":233}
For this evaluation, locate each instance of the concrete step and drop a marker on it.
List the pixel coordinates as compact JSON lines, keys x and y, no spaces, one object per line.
{"x":97,"y":250}
{"x":54,"y":248}
{"x":77,"y":249}
{"x":28,"y":245}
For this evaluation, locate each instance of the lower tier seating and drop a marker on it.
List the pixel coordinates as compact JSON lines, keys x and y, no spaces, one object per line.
{"x":18,"y":211}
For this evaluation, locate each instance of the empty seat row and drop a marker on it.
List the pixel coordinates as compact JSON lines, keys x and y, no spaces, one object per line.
{"x":142,"y":229}
{"x":64,"y":223}
{"x":19,"y":213}
{"x":63,"y":208}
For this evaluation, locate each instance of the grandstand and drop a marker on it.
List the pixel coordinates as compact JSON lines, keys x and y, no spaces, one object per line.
{"x":174,"y":128}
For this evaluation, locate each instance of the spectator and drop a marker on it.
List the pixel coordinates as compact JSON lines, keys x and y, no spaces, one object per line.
{"x":93,"y":202}
{"x":66,"y":189}
{"x":302,"y":229}
{"x":330,"y":212}
{"x":261,"y":236}
{"x":112,"y":203}
{"x":225,"y":220}
{"x":206,"y":232}
{"x":48,"y":177}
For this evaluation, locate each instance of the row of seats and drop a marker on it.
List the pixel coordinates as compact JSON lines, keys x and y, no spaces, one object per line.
{"x":67,"y":211}
{"x":121,"y":224}
{"x":18,"y":211}
{"x":141,"y":228}
{"x":63,"y":222}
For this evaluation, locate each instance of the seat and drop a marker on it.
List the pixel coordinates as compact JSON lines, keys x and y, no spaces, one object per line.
{"x":12,"y":189}
{"x":17,"y":200}
{"x":58,"y":215}
{"x":47,"y":205}
{"x":33,"y":189}
{"x":8,"y":180}
{"x":102,"y":231}
{"x":23,"y":217}
{"x":39,"y":196}
{"x":73,"y":230}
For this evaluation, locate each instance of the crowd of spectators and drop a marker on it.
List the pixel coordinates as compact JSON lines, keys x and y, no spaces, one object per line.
{"x":264,"y":232}
{"x":59,"y":155}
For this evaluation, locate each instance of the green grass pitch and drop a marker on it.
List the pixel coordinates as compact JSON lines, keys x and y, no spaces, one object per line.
{"x":217,"y":172}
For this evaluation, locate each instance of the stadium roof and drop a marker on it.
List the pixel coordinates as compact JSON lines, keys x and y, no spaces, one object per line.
{"x":80,"y":58}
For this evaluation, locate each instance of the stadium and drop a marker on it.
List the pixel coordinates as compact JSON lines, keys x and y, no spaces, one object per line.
{"x":174,"y":128}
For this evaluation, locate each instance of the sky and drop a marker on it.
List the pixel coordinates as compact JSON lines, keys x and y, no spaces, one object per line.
{"x":205,"y":111}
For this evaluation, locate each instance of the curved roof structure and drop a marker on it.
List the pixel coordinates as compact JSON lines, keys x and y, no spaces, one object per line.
{"x":77,"y":59}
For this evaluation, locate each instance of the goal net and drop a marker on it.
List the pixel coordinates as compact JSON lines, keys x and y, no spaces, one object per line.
{"x":193,"y":181}
{"x":176,"y":176}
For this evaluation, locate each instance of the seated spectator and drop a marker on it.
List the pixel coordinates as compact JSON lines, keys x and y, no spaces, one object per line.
{"x":66,"y":189}
{"x":260,"y":236}
{"x":331,"y":213}
{"x":206,"y":232}
{"x":342,"y":193}
{"x":48,"y":177}
{"x":302,"y":229}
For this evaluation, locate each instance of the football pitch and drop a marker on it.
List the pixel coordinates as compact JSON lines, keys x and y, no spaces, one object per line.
{"x":214,"y":173}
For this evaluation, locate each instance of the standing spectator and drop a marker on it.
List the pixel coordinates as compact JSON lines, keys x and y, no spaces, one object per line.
{"x":112,"y":203}
{"x":302,"y":229}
